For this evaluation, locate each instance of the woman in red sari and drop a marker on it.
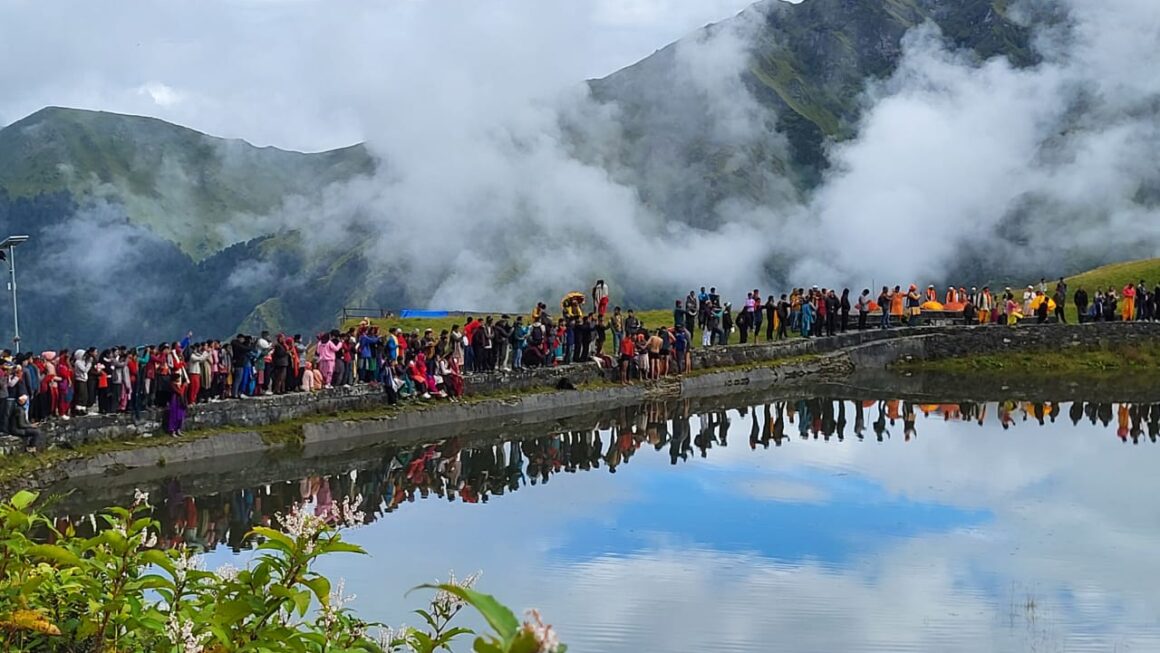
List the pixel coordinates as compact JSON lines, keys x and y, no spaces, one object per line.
{"x":64,"y":385}
{"x":452,"y":379}
{"x":417,"y":370}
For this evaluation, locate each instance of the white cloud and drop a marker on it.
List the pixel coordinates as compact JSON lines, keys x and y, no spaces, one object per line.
{"x":783,"y":491}
{"x":309,"y":74}
{"x":162,"y":95}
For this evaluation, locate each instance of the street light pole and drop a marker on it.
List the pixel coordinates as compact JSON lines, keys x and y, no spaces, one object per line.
{"x":11,"y":242}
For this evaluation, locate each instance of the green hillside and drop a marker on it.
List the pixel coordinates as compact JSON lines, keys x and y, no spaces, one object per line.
{"x":177,"y":181}
{"x":1117,"y":276}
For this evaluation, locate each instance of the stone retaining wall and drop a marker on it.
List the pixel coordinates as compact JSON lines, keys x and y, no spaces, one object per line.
{"x":937,"y":344}
{"x":833,"y":358}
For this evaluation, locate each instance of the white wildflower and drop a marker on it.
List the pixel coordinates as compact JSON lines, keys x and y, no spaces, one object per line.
{"x":299,"y":523}
{"x":338,"y":601}
{"x":180,"y":633}
{"x":227,"y":572}
{"x":543,"y":634}
{"x":445,"y":602}
{"x":140,"y":498}
{"x":389,"y":639}
{"x":349,"y":514}
{"x":185,"y":563}
{"x":150,"y":541}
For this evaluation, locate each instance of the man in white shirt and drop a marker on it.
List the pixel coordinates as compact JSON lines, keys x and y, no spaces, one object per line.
{"x":600,"y":297}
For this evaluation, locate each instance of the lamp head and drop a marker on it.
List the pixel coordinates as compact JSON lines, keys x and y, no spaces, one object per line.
{"x":12,"y":241}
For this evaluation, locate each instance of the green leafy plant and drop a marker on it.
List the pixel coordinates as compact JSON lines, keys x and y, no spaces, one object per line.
{"x":117,"y":592}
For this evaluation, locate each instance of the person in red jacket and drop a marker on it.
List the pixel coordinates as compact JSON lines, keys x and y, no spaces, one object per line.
{"x":627,"y":353}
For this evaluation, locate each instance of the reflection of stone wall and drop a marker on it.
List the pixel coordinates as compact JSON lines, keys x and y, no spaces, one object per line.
{"x":868,"y":350}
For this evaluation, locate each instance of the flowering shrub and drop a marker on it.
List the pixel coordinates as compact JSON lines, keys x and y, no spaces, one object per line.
{"x":116,"y":592}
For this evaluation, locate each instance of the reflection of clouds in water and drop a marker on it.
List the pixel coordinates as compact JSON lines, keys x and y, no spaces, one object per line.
{"x":1065,"y":561}
{"x":782,"y":490}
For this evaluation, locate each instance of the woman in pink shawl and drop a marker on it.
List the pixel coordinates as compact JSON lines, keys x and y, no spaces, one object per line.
{"x":328,"y":346}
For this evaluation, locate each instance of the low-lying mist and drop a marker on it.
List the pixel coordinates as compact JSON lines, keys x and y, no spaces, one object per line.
{"x":960,"y":171}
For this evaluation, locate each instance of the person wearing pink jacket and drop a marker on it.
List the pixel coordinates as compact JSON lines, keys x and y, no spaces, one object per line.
{"x":328,"y":346}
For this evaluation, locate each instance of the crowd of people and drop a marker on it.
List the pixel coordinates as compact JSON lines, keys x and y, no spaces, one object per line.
{"x":63,"y":384}
{"x":471,"y":472}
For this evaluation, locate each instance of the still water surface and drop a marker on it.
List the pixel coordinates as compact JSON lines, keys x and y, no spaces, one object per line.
{"x":802,"y":525}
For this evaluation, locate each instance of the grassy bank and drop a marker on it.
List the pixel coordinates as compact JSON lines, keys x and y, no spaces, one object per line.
{"x":1079,"y":363}
{"x":1116,"y":275}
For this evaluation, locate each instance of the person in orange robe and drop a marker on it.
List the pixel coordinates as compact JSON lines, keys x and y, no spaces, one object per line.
{"x":986,"y":305}
{"x":1122,"y":422}
{"x":1129,"y":306}
{"x":896,"y":301}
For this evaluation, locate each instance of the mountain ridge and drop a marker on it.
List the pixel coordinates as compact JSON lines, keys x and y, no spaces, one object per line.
{"x":156,"y":169}
{"x":172,"y":210}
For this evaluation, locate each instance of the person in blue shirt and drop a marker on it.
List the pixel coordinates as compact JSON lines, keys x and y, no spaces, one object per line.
{"x":703,"y":302}
{"x":681,"y":347}
{"x":520,"y":333}
{"x":569,"y":341}
{"x":367,"y":365}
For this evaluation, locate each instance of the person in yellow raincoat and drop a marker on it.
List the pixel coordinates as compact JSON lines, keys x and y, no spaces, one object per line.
{"x":571,"y":305}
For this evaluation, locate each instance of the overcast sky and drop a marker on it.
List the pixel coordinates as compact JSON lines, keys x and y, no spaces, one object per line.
{"x":308,"y":74}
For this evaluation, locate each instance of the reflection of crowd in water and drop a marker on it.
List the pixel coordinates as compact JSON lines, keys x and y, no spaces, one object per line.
{"x":458,"y":470}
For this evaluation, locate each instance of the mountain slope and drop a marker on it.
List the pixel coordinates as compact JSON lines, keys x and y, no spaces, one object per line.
{"x":187,"y":187}
{"x":807,"y":66}
{"x":144,"y":229}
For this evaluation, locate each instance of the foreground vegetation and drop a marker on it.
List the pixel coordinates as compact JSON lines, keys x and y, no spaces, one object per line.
{"x":115,"y":591}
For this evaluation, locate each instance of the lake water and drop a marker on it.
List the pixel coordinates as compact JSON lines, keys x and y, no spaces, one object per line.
{"x":810,"y":524}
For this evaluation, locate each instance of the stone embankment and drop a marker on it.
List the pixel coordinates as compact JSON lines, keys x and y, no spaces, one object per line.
{"x":514,"y":398}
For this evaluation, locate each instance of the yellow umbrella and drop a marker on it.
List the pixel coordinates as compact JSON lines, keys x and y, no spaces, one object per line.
{"x":1039,"y":299}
